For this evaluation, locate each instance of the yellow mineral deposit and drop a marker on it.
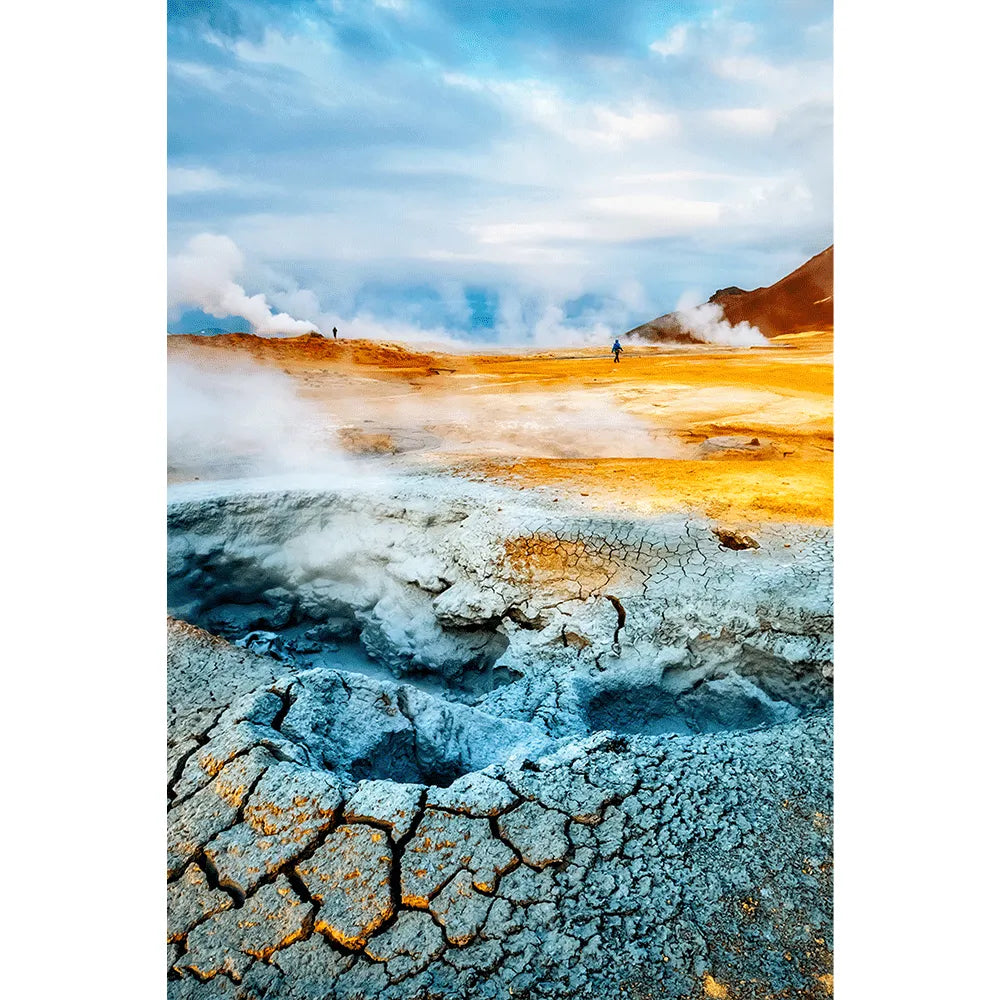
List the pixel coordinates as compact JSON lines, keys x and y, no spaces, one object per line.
{"x":715,"y":989}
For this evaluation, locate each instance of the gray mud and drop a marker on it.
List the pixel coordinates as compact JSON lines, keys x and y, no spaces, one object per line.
{"x":482,"y":750}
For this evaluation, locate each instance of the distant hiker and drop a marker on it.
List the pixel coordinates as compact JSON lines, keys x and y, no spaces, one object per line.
{"x":616,"y":350}
{"x":334,"y":333}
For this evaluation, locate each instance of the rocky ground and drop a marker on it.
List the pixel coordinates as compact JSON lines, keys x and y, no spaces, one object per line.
{"x":430,"y":738}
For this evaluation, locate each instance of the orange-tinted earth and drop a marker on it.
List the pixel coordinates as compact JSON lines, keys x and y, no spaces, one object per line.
{"x":737,"y":434}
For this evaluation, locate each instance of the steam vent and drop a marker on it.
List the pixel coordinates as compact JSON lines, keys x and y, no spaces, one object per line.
{"x":441,"y":739}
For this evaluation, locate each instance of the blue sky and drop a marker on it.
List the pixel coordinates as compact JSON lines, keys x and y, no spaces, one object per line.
{"x":549,"y":171}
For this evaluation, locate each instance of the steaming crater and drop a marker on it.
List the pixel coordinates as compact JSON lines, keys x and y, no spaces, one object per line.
{"x":440,"y":731}
{"x":477,"y":598}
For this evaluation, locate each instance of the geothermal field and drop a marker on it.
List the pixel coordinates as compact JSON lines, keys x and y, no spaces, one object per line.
{"x":500,"y":675}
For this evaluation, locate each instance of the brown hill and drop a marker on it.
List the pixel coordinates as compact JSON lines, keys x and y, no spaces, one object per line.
{"x":310,"y":348}
{"x":802,"y":300}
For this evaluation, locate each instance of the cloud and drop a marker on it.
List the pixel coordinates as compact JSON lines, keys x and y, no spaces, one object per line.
{"x":364,"y":154}
{"x":182,"y":180}
{"x":746,"y":121}
{"x":583,"y":123}
{"x":195,"y":180}
{"x":673,"y":42}
{"x":657,"y":214}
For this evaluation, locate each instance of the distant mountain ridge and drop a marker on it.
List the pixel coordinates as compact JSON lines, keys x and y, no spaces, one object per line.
{"x":800,"y":301}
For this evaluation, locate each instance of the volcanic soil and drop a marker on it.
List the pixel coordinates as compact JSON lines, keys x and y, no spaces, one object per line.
{"x":487,"y":728}
{"x":736,"y":434}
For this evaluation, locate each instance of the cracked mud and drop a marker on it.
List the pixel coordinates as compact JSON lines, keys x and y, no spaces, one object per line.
{"x":441,"y":742}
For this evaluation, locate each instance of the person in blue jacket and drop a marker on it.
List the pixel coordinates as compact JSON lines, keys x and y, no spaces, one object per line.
{"x":616,"y":350}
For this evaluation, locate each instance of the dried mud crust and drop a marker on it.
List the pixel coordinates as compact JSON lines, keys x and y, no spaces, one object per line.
{"x":552,"y":619}
{"x":336,"y":835}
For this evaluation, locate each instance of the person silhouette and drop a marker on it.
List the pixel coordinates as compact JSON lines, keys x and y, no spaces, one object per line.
{"x":616,"y":349}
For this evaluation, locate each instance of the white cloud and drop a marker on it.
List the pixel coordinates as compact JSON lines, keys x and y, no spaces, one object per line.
{"x":746,"y":121}
{"x":201,"y":180}
{"x":195,"y":180}
{"x":611,"y":218}
{"x":661,"y":213}
{"x":762,"y":204}
{"x":319,"y":69}
{"x":678,"y":176}
{"x":531,"y":232}
{"x":673,"y":42}
{"x":298,"y":52}
{"x":787,"y":85}
{"x":714,"y":35}
{"x":198,"y":73}
{"x":748,"y":69}
{"x":583,"y":123}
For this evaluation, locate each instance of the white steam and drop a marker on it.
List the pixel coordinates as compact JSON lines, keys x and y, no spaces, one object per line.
{"x":572,"y":424}
{"x":230,"y":417}
{"x":708,"y":324}
{"x":566,"y":424}
{"x":236,"y":418}
{"x":204,"y":276}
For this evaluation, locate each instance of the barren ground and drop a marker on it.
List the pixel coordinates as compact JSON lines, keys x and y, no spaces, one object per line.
{"x":735,"y":434}
{"x":548,"y":714}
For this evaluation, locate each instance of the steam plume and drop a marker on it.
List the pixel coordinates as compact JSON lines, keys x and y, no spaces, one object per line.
{"x":708,"y":324}
{"x":238,"y":418}
{"x":204,"y":275}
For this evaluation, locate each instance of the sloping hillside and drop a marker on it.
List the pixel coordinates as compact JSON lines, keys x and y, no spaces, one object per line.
{"x":802,"y":300}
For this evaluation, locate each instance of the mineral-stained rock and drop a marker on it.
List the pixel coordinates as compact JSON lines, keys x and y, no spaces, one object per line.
{"x":736,"y":540}
{"x":265,"y":644}
{"x":190,"y":899}
{"x":734,"y":445}
{"x":460,"y":908}
{"x":361,"y":728}
{"x":227,"y":742}
{"x":195,"y":656}
{"x":191,"y":988}
{"x":229,"y":942}
{"x":286,"y":814}
{"x":310,"y":968}
{"x":349,"y":876}
{"x":443,"y":844}
{"x":476,"y":794}
{"x":194,"y":822}
{"x":539,"y":834}
{"x":525,"y":885}
{"x":408,"y":946}
{"x":386,"y":803}
{"x":565,"y":786}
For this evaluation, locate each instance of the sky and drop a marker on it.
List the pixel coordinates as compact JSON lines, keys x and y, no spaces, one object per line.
{"x":548,"y":172}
